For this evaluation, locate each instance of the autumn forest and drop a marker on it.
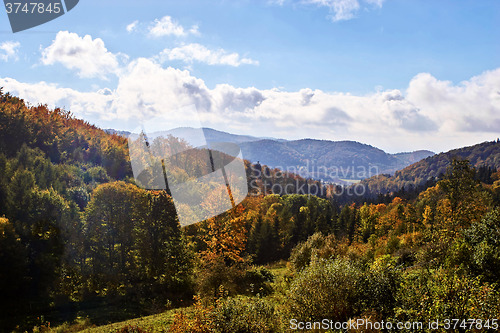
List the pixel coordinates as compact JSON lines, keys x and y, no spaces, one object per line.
{"x":83,"y":246}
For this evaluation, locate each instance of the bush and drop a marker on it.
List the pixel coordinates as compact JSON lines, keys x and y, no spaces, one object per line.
{"x":326,"y":289}
{"x":200,"y":320}
{"x":442,"y":294}
{"x":227,"y":316}
{"x":245,"y":315}
{"x":316,"y":245}
{"x":381,"y":285}
{"x":341,"y":289}
{"x":214,"y":276}
{"x":257,"y":281}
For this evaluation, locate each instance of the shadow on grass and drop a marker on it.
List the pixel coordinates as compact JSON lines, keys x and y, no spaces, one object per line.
{"x":95,"y":312}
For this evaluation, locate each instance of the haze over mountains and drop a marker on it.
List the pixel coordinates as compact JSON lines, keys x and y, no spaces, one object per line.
{"x":334,"y":161}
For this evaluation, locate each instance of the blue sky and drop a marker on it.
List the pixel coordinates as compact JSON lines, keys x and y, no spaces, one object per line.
{"x":397,"y":74}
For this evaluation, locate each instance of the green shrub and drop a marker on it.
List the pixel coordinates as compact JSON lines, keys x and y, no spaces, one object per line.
{"x":215,"y":276}
{"x":326,"y":289}
{"x":442,"y":294}
{"x":242,"y":315}
{"x":257,"y":281}
{"x":381,"y":284}
{"x":250,"y":315}
{"x":341,"y":289}
{"x":316,"y":245}
{"x":484,"y":239}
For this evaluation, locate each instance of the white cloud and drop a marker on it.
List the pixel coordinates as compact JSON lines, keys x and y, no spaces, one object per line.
{"x":144,"y":81}
{"x":8,"y":50}
{"x":86,"y":55}
{"x":471,"y":106}
{"x":82,"y":104}
{"x":166,"y":26}
{"x":343,"y":9}
{"x":132,"y":26}
{"x":195,"y":52}
{"x":430,"y":114}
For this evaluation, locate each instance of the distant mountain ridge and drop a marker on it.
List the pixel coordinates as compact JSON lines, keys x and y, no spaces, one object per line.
{"x":409,"y":158}
{"x":328,"y":160}
{"x":334,"y":161}
{"x":192,"y":135}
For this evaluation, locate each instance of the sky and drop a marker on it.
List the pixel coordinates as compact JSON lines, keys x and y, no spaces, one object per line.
{"x":400,"y":75}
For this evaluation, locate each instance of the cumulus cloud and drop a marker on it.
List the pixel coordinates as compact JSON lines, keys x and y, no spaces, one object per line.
{"x":307,"y":95}
{"x":83,"y":104}
{"x":132,"y":26}
{"x":429,"y":114}
{"x":89,"y":57}
{"x":198,"y":53}
{"x":167,"y":26}
{"x":146,"y":89}
{"x":472,"y":105}
{"x":8,"y":50}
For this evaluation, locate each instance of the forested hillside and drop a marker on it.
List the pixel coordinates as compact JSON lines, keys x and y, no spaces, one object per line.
{"x":78,"y":234}
{"x":328,"y":160}
{"x":73,"y":233}
{"x":81,"y":244}
{"x":485,"y":157}
{"x":61,"y":137}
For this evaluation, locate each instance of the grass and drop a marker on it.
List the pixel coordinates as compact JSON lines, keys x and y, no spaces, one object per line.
{"x":156,"y":323}
{"x":281,"y":282}
{"x":159,"y":323}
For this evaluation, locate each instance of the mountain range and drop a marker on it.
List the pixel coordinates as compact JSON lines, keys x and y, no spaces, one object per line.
{"x":342,"y":162}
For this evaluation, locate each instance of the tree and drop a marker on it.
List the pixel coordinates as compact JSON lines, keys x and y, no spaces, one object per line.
{"x":221,"y":263}
{"x":347,"y":222}
{"x":484,"y":240}
{"x":368,"y":220}
{"x":4,"y":190}
{"x":113,"y":212}
{"x":468,"y":202}
{"x":44,"y":233}
{"x":163,"y":262}
{"x":13,"y":265}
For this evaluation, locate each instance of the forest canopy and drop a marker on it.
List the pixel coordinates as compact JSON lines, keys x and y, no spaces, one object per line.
{"x":80,"y":239}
